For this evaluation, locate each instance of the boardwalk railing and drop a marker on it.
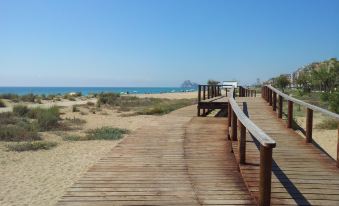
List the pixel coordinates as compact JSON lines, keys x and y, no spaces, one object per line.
{"x":246,"y":92}
{"x":208,"y":91}
{"x":271,"y":94}
{"x":235,"y":116}
{"x":206,"y":96}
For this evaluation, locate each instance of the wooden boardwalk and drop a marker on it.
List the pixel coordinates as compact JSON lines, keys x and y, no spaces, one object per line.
{"x":179,"y":160}
{"x":302,"y":174}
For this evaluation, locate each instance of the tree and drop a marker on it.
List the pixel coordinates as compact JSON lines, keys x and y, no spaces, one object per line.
{"x":324,"y":78}
{"x":282,"y":82}
{"x":303,"y":81}
{"x":334,"y":102}
{"x":212,"y":82}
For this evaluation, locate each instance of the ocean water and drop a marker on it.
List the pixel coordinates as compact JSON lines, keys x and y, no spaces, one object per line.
{"x":89,"y":90}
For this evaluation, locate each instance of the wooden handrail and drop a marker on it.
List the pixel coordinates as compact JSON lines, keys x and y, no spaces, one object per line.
{"x":207,"y":92}
{"x":246,"y":92}
{"x":235,"y":116}
{"x":269,"y":92}
{"x":307,"y":105}
{"x":210,"y":90}
{"x":258,"y":133}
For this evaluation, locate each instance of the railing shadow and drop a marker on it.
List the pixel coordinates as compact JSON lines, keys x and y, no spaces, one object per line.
{"x":295,"y":126}
{"x":280,"y":174}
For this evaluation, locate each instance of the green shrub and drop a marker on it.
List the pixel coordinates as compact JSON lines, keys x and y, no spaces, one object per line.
{"x":75,"y":138}
{"x":108,"y":98}
{"x":330,"y":124}
{"x":142,"y":105}
{"x":48,"y":118}
{"x":106,"y":133}
{"x":18,"y":133}
{"x":324,"y":97}
{"x":50,"y":96}
{"x":334,"y":102}
{"x":28,"y":97}
{"x":2,"y":103}
{"x":7,"y":118}
{"x":31,"y":146}
{"x":20,"y":110}
{"x":10,"y":96}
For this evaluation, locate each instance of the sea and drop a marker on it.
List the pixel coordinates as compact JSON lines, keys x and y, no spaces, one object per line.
{"x":91,"y":90}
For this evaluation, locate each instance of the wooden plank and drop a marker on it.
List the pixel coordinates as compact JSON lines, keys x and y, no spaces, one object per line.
{"x":175,"y":161}
{"x":302,"y":174}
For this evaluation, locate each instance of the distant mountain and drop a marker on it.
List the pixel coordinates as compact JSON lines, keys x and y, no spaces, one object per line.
{"x":187,"y":84}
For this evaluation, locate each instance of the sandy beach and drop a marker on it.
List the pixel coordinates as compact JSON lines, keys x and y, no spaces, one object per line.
{"x":41,"y":177}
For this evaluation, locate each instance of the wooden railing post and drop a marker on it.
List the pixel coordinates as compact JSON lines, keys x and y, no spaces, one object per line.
{"x":280,"y":109}
{"x":208,"y":91}
{"x":229,"y":115}
{"x":234,"y":126}
{"x":255,"y":93}
{"x":199,"y":99}
{"x":270,"y":96}
{"x":338,"y":148}
{"x":309,"y":125}
{"x":266,"y":94}
{"x":265,"y":176}
{"x":274,"y":101}
{"x":290,"y":114}
{"x":242,"y":144}
{"x":204,"y":97}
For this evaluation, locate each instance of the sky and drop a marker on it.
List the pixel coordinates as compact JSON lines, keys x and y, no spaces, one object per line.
{"x":161,"y":42}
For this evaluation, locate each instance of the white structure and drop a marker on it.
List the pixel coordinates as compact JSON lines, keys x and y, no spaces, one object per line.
{"x":229,"y":84}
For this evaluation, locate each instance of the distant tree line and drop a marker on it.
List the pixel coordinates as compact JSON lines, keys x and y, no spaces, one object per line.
{"x":322,"y":77}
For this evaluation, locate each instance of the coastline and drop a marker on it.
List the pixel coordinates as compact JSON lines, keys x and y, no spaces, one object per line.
{"x":84,"y":99}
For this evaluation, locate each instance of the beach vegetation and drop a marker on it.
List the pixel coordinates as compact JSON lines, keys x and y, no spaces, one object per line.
{"x":73,"y":123}
{"x":24,"y":123}
{"x":165,"y":107}
{"x":74,"y":137}
{"x":2,"y":103}
{"x":18,"y":132}
{"x":10,"y":96}
{"x":106,"y":133}
{"x":31,"y":146}
{"x":48,"y":119}
{"x":28,"y":97}
{"x":212,"y":82}
{"x":282,"y":82}
{"x":20,"y":110}
{"x":329,"y":124}
{"x":145,"y":106}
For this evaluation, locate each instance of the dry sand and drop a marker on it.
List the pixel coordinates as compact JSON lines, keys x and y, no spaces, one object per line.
{"x":327,"y":139}
{"x":41,"y":177}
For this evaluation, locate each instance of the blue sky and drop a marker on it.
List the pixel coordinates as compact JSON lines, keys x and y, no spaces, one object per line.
{"x":161,"y":42}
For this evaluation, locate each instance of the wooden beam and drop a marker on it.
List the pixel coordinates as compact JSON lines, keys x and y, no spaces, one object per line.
{"x":242,"y":144}
{"x":290,"y":114}
{"x":309,"y":125}
{"x":265,"y":176}
{"x":274,"y":101}
{"x":234,"y":126}
{"x":280,"y":107}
